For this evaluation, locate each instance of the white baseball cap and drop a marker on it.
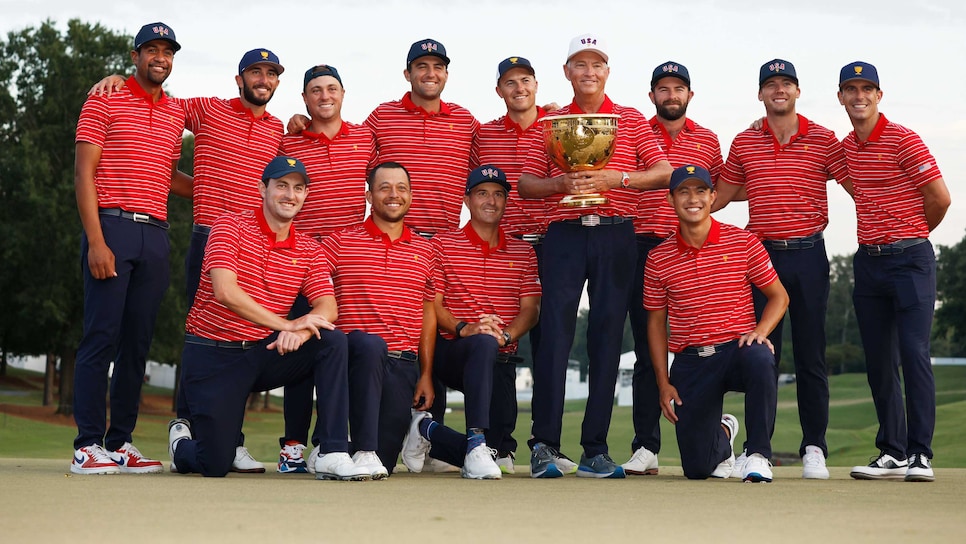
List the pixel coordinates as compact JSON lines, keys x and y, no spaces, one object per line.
{"x":588,"y":42}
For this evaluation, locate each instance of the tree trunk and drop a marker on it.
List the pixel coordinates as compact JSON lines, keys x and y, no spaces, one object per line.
{"x":268,"y":399}
{"x":253,"y":401}
{"x":66,"y":405}
{"x":50,"y":372}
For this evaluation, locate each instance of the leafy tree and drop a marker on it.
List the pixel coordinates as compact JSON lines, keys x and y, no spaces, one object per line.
{"x":844,"y":344}
{"x":949,"y":329}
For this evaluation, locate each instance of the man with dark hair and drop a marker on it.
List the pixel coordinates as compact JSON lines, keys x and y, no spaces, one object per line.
{"x":900,"y":197}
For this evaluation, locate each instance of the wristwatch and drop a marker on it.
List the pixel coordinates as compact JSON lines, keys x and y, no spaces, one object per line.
{"x":459,"y":328}
{"x":507,"y":339}
{"x":625,"y":180}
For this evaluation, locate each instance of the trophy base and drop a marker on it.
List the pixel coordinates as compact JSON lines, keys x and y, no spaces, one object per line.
{"x":582,"y":201}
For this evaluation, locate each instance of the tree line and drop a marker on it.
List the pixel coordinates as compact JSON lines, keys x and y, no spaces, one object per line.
{"x":44,"y":76}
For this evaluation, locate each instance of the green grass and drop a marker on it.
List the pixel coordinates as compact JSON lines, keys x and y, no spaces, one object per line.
{"x":851,"y":434}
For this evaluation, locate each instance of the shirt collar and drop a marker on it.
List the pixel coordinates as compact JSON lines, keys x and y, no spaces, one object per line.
{"x":270,"y":236}
{"x":879,"y":129}
{"x":606,"y":107}
{"x":802,"y":128}
{"x":325,"y":140}
{"x":374,"y":231}
{"x":510,"y":124}
{"x":238,"y":107}
{"x":138,"y":91}
{"x":484,"y":245}
{"x":714,"y":234}
{"x":411,"y":106}
{"x":688,"y":127}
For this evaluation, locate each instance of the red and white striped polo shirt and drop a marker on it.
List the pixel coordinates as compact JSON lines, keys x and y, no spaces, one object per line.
{"x":337,"y":168}
{"x":707,"y":291}
{"x":232,"y":147}
{"x":887,"y":172}
{"x":139,"y":139}
{"x":786,"y":184}
{"x":636,"y":150}
{"x":435,"y":149}
{"x":500,"y":143}
{"x":477,"y":279}
{"x":272,"y":273}
{"x":381,"y":284}
{"x":694,"y":144}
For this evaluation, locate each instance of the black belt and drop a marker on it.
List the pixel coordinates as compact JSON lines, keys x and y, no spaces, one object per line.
{"x":508,"y":358}
{"x":807,"y":242}
{"x":594,"y":220}
{"x":894,"y":248}
{"x":532,"y":239}
{"x":708,"y":351}
{"x":136,"y":217}
{"x":407,"y":356}
{"x":244,"y":344}
{"x":200,"y":229}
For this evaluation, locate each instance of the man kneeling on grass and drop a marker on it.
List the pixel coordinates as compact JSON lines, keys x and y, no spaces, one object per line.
{"x":238,"y":340}
{"x":699,"y":282}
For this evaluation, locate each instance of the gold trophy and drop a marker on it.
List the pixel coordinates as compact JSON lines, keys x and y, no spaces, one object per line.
{"x":580,"y":142}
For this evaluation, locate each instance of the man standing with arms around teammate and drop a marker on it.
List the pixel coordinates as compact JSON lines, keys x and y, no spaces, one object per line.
{"x":432,"y":138}
{"x":698,"y":285}
{"x":683,"y":142}
{"x":126,"y":156}
{"x":487,"y":296}
{"x":594,"y":244}
{"x":784,"y":169}
{"x":237,"y":339}
{"x":900,"y":197}
{"x":383,"y":276}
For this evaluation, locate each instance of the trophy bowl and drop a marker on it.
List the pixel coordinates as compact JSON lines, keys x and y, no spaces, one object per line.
{"x":579,"y":142}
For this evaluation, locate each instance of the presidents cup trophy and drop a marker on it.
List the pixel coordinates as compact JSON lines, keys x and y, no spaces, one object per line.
{"x":580,"y":142}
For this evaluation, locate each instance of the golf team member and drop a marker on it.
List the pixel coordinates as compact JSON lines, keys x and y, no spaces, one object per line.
{"x":336,"y":154}
{"x":238,"y":340}
{"x":900,"y":197}
{"x":683,"y":142}
{"x":587,"y":244}
{"x":487,"y":296}
{"x":501,"y":143}
{"x":432,"y":138}
{"x":698,"y":284}
{"x":127,"y":149}
{"x":784,"y":169}
{"x":383,"y":275}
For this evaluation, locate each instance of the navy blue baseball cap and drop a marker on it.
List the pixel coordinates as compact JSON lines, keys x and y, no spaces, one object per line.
{"x":281,"y":166}
{"x":670,"y":69}
{"x":156,"y":31}
{"x":689,"y":171}
{"x":510,"y":63}
{"x":426,"y":47}
{"x":260,"y":56}
{"x":486,"y":174}
{"x":859,"y":70}
{"x":775,"y":68}
{"x":319,"y":71}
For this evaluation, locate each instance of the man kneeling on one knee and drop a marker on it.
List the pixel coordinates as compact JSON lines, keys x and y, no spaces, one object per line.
{"x":698,"y":284}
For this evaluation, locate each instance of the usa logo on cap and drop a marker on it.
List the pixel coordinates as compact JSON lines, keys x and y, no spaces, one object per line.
{"x":588,"y":41}
{"x":429,"y":46}
{"x":669,"y":68}
{"x":161,"y":31}
{"x":777,"y":66}
{"x":490,"y":173}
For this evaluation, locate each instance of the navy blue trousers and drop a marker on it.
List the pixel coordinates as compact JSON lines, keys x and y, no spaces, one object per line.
{"x":894,"y":300}
{"x":604,"y":256}
{"x":217,"y":382}
{"x":395,"y":408}
{"x":702,"y":382}
{"x":646,"y":410}
{"x":805,"y":275}
{"x":119,"y":317}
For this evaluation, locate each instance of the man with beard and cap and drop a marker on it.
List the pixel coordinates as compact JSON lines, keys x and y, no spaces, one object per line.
{"x":900,"y":197}
{"x":127,"y":149}
{"x":683,"y":142}
{"x":594,"y":245}
{"x":234,"y":140}
{"x":784,"y":168}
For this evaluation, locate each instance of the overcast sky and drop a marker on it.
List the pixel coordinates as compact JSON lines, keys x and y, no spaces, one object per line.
{"x":918,"y":48}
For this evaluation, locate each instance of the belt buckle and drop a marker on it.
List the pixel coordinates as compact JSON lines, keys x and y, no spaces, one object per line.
{"x":245,"y":344}
{"x":140,"y":217}
{"x":706,"y":351}
{"x":874,"y":250}
{"x":779,"y":244}
{"x":591,"y":220}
